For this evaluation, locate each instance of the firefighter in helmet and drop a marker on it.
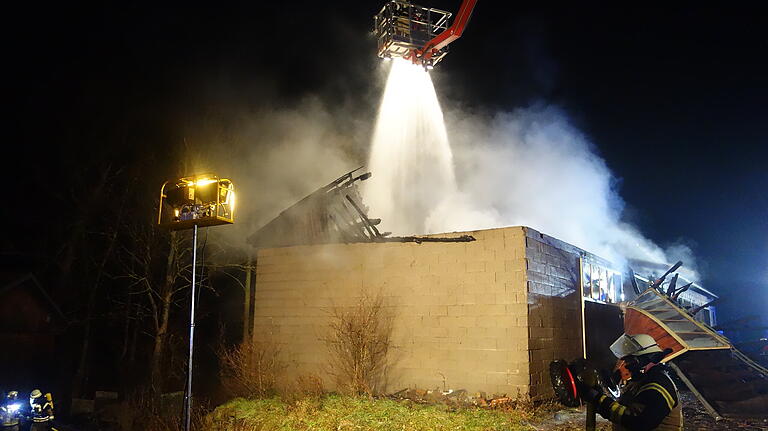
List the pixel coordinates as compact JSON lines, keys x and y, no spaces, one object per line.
{"x":649,"y":399}
{"x":42,"y":410}
{"x":10,"y":412}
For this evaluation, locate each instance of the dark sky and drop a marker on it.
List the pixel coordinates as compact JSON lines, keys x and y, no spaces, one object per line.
{"x":673,"y":97}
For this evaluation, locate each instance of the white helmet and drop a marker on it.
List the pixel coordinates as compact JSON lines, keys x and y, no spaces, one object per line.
{"x":634,"y":345}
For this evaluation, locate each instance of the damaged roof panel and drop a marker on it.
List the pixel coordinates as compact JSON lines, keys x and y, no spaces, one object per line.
{"x":724,"y":379}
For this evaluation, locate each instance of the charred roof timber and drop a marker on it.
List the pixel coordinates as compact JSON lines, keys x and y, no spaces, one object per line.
{"x":334,"y":213}
{"x":671,"y":289}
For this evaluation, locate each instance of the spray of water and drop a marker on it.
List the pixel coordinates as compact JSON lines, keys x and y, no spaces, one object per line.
{"x":410,"y":154}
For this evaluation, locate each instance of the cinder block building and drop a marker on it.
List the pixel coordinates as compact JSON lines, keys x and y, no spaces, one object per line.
{"x":487,"y":315}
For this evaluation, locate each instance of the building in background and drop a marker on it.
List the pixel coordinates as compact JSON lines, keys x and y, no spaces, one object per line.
{"x":30,"y":322}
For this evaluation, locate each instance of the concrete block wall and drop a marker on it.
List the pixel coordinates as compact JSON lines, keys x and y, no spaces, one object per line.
{"x":461,"y":312}
{"x":554,"y":307}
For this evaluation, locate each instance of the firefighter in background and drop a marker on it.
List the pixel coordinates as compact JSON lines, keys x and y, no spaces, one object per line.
{"x":649,"y":399}
{"x":10,"y":412}
{"x":41,"y":409}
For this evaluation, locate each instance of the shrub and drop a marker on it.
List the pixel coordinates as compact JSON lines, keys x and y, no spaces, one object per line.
{"x":250,"y":369}
{"x":359,"y":340}
{"x":145,"y":411}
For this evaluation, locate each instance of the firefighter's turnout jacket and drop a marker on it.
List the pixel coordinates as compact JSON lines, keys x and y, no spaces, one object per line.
{"x":42,"y":409}
{"x":648,"y":403}
{"x":8,"y":420}
{"x":9,"y":417}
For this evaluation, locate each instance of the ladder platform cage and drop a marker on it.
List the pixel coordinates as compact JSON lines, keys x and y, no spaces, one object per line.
{"x":402,"y":27}
{"x":202,"y":200}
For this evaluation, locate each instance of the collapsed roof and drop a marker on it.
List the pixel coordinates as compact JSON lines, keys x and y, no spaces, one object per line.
{"x":334,"y":213}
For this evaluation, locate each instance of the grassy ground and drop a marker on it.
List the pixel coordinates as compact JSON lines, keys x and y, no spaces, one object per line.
{"x":339,"y":413}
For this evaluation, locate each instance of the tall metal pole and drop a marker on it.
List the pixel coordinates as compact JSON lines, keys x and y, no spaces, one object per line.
{"x":188,"y":394}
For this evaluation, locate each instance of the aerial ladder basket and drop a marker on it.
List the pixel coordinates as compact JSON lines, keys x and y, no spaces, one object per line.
{"x":417,"y":33}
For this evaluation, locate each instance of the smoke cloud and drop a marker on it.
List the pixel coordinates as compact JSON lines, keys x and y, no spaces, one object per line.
{"x":527,"y":167}
{"x":532,"y":167}
{"x":275,"y":156}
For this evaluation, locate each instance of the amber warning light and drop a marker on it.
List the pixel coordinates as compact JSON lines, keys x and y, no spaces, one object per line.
{"x":200,"y":200}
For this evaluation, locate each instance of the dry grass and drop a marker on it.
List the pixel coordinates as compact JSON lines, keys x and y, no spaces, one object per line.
{"x":305,"y":387}
{"x":250,"y":369}
{"x":338,"y":413}
{"x":310,"y":385}
{"x":147,"y":412}
{"x":359,"y":341}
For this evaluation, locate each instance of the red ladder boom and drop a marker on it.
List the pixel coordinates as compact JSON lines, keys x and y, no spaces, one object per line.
{"x":449,"y":35}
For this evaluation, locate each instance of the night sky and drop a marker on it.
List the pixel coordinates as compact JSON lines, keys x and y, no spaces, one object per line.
{"x":673,"y":97}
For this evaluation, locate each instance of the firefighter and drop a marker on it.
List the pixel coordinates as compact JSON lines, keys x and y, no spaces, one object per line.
{"x":10,"y":412}
{"x":42,"y":410}
{"x":649,"y":398}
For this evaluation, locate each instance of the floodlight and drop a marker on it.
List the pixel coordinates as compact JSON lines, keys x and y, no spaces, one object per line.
{"x":198,"y":200}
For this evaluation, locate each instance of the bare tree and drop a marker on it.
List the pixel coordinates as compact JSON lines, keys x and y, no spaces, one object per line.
{"x":107,"y":234}
{"x":158,"y":265}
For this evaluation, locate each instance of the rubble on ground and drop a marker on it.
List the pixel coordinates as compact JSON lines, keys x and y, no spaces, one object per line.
{"x":454,"y":398}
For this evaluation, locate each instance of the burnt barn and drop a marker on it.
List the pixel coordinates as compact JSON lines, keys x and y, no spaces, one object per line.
{"x":488,"y":313}
{"x":484,"y":311}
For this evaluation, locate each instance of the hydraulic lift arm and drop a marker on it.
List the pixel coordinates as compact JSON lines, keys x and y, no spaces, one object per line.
{"x":449,"y":35}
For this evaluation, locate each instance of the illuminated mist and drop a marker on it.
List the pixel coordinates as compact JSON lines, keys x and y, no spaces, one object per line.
{"x":410,"y":155}
{"x":529,"y":167}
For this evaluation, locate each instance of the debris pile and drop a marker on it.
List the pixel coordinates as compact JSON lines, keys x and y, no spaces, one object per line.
{"x":457,"y":398}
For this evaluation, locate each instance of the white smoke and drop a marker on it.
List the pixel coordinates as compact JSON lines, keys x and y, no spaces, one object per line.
{"x":532,"y":167}
{"x":274,"y":156}
{"x":527,"y":167}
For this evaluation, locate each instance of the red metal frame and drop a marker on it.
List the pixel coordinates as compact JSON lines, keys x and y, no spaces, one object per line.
{"x":572,"y":381}
{"x":449,"y":35}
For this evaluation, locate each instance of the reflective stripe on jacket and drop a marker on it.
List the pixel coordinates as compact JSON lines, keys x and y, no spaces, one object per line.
{"x":646,"y":404}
